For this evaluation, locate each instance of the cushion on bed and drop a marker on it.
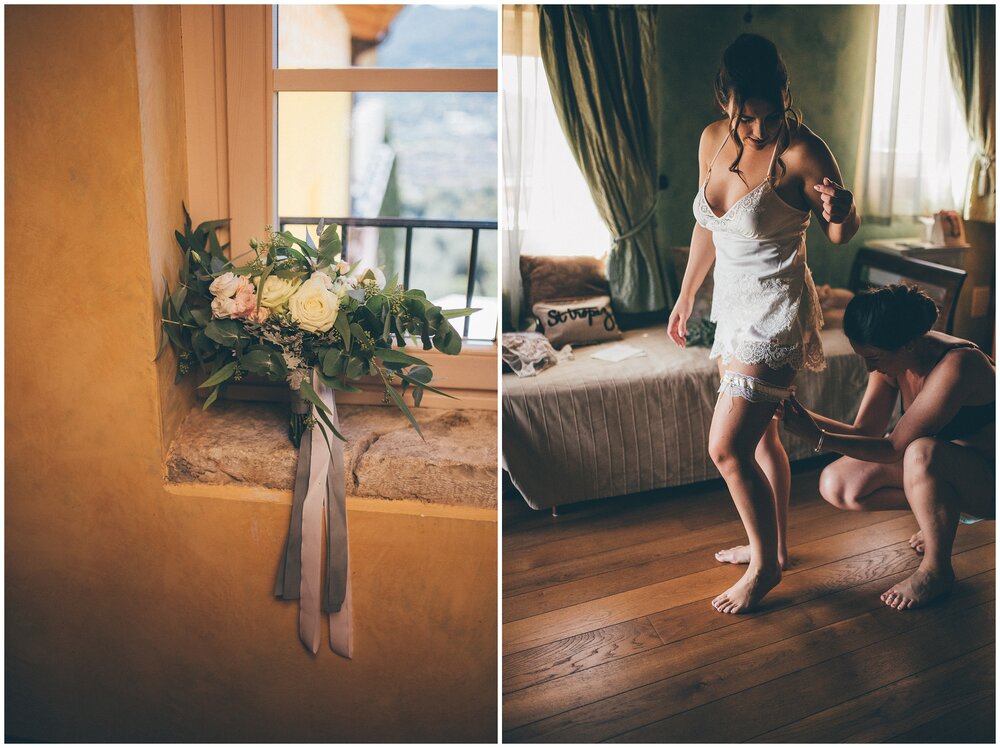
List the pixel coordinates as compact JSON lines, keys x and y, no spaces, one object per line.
{"x":578,"y":321}
{"x":548,"y":278}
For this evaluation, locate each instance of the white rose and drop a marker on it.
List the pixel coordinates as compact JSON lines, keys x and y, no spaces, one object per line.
{"x":277,"y":291}
{"x":313,"y":307}
{"x":225,"y":285}
{"x":223,"y":307}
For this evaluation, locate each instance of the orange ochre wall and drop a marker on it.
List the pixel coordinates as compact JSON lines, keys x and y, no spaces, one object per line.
{"x":137,"y":614}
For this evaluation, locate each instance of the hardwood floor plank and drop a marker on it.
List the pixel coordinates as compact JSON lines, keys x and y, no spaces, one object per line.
{"x":697,"y":506}
{"x":572,"y":562}
{"x":844,"y":672}
{"x":576,"y":653}
{"x":735,"y":635}
{"x":684,"y":621}
{"x":595,"y":602}
{"x":973,"y":723}
{"x":879,"y":715}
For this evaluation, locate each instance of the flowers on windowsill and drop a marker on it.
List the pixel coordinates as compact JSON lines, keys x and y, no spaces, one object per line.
{"x":294,"y":308}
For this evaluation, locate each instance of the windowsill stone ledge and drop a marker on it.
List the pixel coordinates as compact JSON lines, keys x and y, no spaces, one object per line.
{"x":245,"y":445}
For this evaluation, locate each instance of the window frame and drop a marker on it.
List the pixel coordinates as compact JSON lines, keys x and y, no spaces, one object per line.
{"x":231,"y":88}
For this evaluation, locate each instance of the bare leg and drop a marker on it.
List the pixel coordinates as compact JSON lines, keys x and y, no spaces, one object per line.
{"x":737,"y":427}
{"x":773,"y":460}
{"x":861,"y":486}
{"x":941,"y":480}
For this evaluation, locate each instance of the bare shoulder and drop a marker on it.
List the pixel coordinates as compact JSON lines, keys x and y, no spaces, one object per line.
{"x":711,"y":138}
{"x":806,"y":151}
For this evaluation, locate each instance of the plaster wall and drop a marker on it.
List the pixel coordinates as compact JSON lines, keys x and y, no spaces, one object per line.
{"x":825,"y":48}
{"x":133,"y":613}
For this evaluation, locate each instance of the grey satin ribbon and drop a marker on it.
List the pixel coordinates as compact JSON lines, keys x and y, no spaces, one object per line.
{"x":319,"y":483}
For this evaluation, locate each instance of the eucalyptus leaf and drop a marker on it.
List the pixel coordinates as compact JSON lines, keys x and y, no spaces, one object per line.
{"x":452,"y":313}
{"x":310,"y":394}
{"x":403,"y":407}
{"x":265,"y":362}
{"x":333,"y":362}
{"x":343,"y":326}
{"x":224,"y":332}
{"x":391,"y":355}
{"x":211,"y":398}
{"x":220,"y":376}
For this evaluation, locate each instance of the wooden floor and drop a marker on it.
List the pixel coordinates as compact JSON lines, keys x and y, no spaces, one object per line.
{"x":609,"y":634}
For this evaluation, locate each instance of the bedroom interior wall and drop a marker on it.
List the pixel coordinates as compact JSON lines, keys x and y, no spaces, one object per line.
{"x":133,"y":613}
{"x":825,"y":48}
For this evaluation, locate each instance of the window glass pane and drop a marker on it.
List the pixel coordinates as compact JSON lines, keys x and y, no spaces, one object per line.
{"x":430,"y":156}
{"x":387,"y":36}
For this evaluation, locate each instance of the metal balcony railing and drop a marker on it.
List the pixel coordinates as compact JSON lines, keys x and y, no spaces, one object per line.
{"x":408,"y":225}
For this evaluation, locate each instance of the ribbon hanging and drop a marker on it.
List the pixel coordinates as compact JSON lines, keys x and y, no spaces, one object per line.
{"x":319,"y":491}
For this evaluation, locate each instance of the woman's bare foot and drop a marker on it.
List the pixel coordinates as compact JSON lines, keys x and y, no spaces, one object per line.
{"x":743,"y":596}
{"x":741,"y":555}
{"x":919,"y":588}
{"x":917,"y":542}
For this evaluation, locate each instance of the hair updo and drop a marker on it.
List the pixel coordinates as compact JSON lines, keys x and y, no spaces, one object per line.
{"x":889,"y":317}
{"x":752,"y":69}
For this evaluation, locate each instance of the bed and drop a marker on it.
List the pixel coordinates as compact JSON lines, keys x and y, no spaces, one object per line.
{"x":588,"y":429}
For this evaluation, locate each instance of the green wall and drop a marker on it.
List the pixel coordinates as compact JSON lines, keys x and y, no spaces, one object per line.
{"x":826,"y":50}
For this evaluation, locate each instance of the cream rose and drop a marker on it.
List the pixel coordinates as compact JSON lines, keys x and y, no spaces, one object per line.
{"x":277,"y":291}
{"x":313,"y":307}
{"x":225,"y":285}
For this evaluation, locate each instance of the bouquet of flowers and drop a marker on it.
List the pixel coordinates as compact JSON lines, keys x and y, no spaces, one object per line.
{"x":295,"y":308}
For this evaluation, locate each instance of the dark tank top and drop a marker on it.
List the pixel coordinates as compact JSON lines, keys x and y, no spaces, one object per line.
{"x":969,"y":418}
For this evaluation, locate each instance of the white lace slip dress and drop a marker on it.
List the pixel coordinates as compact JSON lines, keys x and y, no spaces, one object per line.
{"x":765,"y":303}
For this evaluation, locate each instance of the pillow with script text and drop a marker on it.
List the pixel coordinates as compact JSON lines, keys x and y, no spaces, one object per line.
{"x":578,"y":321}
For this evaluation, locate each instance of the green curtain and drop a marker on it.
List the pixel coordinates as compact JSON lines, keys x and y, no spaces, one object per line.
{"x":972,"y":53}
{"x":601,"y":67}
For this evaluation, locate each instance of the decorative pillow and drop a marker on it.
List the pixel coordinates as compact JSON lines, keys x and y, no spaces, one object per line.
{"x":578,"y":321}
{"x":548,"y":278}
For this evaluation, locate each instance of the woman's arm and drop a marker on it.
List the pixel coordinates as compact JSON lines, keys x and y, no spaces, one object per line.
{"x":701,"y":255}
{"x":873,"y":414}
{"x":832,"y":204}
{"x":942,"y":396}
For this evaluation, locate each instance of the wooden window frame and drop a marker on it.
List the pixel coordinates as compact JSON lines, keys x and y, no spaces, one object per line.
{"x":231,"y":88}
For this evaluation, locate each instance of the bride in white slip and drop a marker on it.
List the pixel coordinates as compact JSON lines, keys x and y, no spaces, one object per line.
{"x":751,"y":221}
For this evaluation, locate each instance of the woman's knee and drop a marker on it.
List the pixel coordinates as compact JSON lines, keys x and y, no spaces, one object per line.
{"x":921,"y":460}
{"x":729,"y":456}
{"x":838,"y":487}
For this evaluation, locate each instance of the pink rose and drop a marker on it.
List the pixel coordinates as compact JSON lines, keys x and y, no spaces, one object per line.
{"x":245,"y":302}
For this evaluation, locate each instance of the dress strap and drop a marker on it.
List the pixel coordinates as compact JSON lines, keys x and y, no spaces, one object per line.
{"x":774,"y":160}
{"x":716,"y":156}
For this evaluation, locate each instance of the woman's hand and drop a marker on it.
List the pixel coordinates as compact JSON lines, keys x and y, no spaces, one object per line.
{"x":677,"y":324}
{"x":838,"y":202}
{"x":799,"y":421}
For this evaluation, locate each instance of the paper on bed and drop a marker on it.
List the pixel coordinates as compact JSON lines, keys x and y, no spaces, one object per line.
{"x":618,"y":353}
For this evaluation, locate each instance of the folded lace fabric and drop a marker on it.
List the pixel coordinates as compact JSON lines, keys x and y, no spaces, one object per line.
{"x":527,"y":353}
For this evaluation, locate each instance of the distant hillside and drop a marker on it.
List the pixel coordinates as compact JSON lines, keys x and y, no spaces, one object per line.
{"x":428,"y":36}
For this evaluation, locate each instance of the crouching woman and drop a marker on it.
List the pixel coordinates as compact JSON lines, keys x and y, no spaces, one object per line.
{"x":939,"y":459}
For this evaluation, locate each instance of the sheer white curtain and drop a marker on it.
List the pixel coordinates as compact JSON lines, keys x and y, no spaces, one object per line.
{"x":546,"y":203}
{"x":919,"y":148}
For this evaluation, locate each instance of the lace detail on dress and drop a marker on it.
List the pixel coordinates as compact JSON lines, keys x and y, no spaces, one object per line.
{"x":774,"y":321}
{"x":731,"y":219}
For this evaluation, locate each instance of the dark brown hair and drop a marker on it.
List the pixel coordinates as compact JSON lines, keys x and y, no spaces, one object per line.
{"x":889,"y":317}
{"x":752,"y":69}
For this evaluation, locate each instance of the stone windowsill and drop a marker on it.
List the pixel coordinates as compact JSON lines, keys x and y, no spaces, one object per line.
{"x":246,"y":445}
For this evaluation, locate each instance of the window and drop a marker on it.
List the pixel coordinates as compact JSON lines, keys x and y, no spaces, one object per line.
{"x":919,"y":147}
{"x":337,"y":112}
{"x":546,"y":200}
{"x":385,"y":132}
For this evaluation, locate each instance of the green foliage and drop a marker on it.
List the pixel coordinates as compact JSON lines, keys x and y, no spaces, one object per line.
{"x":369,"y":322}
